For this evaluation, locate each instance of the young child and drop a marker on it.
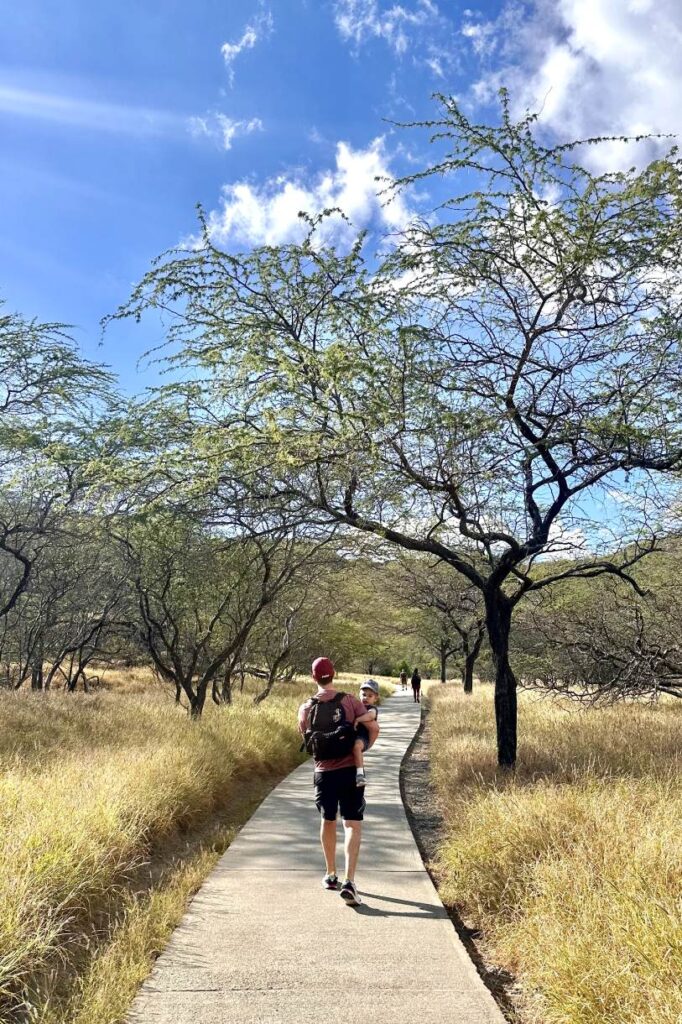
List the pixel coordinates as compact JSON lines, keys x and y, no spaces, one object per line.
{"x":367,"y":727}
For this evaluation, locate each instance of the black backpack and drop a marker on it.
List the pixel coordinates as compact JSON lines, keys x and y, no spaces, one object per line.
{"x":328,"y":735}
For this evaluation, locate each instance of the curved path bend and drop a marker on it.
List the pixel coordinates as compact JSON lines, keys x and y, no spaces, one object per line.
{"x":264,"y":943}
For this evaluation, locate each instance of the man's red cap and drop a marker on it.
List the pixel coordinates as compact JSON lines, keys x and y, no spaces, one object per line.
{"x":322,"y":669}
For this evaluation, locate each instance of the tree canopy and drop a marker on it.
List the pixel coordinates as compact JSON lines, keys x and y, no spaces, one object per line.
{"x":462,"y":394}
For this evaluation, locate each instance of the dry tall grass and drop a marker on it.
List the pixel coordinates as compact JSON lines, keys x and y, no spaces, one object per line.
{"x":95,"y":791}
{"x":574,"y":867}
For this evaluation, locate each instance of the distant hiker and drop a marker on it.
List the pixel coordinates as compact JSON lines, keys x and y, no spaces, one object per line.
{"x":366,"y":728}
{"x":326,"y":722}
{"x":416,"y":686}
{"x":403,"y":679}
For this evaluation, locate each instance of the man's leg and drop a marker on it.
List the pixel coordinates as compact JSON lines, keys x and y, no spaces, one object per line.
{"x":352,"y":801}
{"x":353,"y":837}
{"x":326,"y":801}
{"x":328,"y":840}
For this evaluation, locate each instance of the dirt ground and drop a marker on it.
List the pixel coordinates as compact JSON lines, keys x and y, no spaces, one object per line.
{"x":427,"y":826}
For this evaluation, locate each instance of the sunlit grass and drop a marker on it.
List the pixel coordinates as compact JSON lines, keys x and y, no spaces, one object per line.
{"x":573,"y":868}
{"x":113,"y":808}
{"x":94,"y":792}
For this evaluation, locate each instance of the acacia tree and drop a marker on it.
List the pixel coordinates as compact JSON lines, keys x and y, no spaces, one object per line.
{"x":282,"y":631}
{"x":43,"y":380}
{"x":28,"y":512}
{"x":512,"y":354}
{"x":602,"y":643}
{"x":453,"y":615}
{"x":200,"y":594}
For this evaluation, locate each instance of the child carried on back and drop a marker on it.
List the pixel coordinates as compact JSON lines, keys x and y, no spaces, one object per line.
{"x":367,"y":728}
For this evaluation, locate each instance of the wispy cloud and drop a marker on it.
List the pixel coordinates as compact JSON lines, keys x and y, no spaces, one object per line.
{"x":415,"y":28}
{"x":222,"y":128}
{"x":138,"y":122}
{"x":359,"y":20}
{"x":258,"y":28}
{"x":92,"y":115}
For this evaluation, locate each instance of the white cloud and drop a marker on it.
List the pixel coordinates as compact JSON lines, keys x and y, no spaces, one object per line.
{"x":255,"y":30}
{"x":481,"y":35}
{"x":268,"y":215}
{"x":436,"y":66}
{"x":565,"y":542}
{"x":416,"y":28}
{"x":222,"y":128}
{"x":592,"y":67}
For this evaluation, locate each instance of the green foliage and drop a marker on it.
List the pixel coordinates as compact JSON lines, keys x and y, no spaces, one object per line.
{"x":43,"y":379}
{"x":513,"y":352}
{"x":506,"y":356}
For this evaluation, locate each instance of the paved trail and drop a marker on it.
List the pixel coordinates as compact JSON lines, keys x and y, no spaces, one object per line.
{"x":264,"y":943}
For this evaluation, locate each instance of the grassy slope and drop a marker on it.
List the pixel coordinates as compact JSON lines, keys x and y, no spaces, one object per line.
{"x":104,"y":805}
{"x":113,"y":809}
{"x":573,"y":868}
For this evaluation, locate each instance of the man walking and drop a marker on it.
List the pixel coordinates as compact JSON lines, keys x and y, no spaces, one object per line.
{"x":326,"y":722}
{"x":416,"y":686}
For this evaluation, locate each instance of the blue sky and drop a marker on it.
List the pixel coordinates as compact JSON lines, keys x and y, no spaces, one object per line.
{"x":117,"y":118}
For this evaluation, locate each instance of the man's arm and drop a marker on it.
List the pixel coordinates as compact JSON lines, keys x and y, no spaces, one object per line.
{"x":302,"y":716}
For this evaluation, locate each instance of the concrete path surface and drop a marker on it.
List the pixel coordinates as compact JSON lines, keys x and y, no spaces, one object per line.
{"x":264,"y":943}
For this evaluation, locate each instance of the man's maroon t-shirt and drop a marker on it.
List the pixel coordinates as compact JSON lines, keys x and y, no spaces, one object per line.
{"x":352,"y":706}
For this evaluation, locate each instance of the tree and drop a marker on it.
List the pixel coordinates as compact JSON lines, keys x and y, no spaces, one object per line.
{"x":200,"y":593}
{"x":282,"y":631}
{"x":452,"y":620}
{"x":513,"y":354}
{"x":603,"y":643}
{"x":43,"y":382}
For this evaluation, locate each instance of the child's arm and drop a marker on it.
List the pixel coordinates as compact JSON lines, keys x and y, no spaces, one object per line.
{"x":369,"y":716}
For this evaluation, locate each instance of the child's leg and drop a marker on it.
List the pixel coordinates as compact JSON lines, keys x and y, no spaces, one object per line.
{"x":358,"y":748}
{"x":357,"y":754}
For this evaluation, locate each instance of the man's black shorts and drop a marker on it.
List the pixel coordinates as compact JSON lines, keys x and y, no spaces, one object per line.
{"x":336,"y":790}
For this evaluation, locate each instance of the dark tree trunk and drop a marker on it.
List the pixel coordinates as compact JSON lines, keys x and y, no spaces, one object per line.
{"x":471,"y":654}
{"x":69,"y":684}
{"x":226,"y":690}
{"x":443,"y":661}
{"x":468,"y":672}
{"x":178,"y":693}
{"x":51,"y":674}
{"x":72,"y":684}
{"x":498,"y":621}
{"x":37,"y":675}
{"x":272,"y":676}
{"x":267,"y":690}
{"x":197,"y":704}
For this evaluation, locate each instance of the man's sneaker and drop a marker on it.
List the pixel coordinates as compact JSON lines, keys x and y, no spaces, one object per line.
{"x":349,"y":894}
{"x":360,"y":777}
{"x":330,"y":882}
